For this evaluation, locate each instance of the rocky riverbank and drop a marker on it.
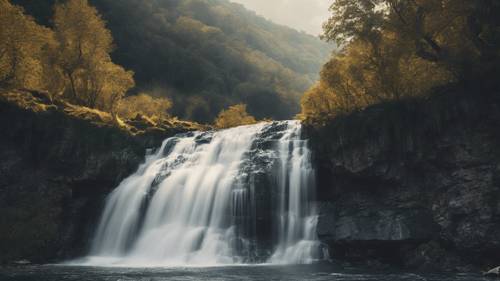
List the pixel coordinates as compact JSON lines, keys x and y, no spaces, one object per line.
{"x":413,"y":184}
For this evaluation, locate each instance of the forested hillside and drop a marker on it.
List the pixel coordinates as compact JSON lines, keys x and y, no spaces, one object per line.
{"x":207,"y":54}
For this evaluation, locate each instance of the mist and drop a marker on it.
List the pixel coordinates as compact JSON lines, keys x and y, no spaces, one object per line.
{"x":303,"y":15}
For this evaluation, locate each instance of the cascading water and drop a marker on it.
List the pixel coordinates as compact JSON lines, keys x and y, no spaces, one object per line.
{"x":297,"y":216}
{"x":211,"y":198}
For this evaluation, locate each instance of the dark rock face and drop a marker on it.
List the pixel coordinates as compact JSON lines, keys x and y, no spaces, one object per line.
{"x":55,"y":172}
{"x":428,"y":201}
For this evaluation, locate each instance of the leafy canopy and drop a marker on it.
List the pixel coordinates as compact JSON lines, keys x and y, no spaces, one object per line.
{"x":23,"y":45}
{"x":396,"y":49}
{"x":82,"y":57}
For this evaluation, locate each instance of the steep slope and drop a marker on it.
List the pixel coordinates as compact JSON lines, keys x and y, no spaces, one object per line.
{"x":208,"y":54}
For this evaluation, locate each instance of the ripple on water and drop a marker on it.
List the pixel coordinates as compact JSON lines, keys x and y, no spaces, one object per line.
{"x":236,"y":273}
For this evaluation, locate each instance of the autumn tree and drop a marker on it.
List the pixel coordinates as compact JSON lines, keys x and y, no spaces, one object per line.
{"x":83,"y":57}
{"x":458,"y":35}
{"x":235,"y":115}
{"x":395,"y":49}
{"x":152,"y":107}
{"x":22,"y":48}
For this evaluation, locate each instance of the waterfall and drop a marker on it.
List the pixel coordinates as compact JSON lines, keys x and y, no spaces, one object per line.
{"x":234,"y":196}
{"x":297,"y":216}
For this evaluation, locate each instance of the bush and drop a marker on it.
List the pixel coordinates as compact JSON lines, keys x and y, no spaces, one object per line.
{"x":234,"y":116}
{"x":153,"y":107}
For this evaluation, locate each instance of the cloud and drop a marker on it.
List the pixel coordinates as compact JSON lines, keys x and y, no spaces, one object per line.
{"x":304,"y":15}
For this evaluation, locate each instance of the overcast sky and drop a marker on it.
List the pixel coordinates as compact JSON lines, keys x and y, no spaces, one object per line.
{"x":304,"y":15}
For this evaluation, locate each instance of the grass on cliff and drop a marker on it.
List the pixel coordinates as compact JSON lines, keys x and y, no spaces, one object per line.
{"x":40,"y":103}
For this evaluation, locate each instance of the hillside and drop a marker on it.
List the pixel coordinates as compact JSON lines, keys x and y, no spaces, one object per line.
{"x":208,"y":54}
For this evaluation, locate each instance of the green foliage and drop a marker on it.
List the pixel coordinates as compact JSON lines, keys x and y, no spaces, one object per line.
{"x":234,"y":116}
{"x":395,"y":50}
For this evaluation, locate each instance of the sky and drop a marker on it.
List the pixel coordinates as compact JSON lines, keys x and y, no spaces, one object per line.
{"x":303,"y":15}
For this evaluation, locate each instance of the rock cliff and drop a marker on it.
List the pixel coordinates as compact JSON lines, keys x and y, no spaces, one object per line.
{"x":412,"y":184}
{"x":57,"y":164}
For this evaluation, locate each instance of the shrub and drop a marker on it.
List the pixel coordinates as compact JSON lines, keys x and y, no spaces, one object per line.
{"x":235,"y":115}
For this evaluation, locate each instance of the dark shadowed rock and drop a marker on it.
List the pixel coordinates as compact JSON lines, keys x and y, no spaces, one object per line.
{"x":58,"y":162}
{"x":419,"y":189}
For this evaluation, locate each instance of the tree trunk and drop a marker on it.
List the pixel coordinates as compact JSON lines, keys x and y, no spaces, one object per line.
{"x":74,"y":96}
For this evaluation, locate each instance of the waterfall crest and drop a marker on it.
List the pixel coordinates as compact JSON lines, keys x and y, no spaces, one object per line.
{"x":235,"y":196}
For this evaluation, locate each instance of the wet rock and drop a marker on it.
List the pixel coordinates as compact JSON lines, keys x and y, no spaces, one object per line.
{"x":22,"y":262}
{"x":432,"y":256}
{"x":494,"y":272}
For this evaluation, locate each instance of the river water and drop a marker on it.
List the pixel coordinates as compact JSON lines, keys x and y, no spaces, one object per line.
{"x":236,"y":273}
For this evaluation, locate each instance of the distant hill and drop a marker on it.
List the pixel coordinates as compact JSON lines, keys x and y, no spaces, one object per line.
{"x":208,"y":54}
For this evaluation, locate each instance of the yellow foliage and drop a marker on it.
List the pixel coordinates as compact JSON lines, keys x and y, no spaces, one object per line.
{"x":89,"y":114}
{"x":22,"y":45}
{"x":364,"y":74}
{"x":234,"y":116}
{"x":82,"y":35}
{"x":83,"y":57}
{"x":155,"y":108}
{"x":394,"y":50}
{"x":27,"y":101}
{"x":113,"y":82}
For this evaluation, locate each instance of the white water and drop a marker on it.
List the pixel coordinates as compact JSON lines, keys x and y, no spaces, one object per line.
{"x":297,"y":225}
{"x":190,"y":202}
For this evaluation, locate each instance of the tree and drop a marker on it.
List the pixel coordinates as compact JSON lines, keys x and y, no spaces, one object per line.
{"x":111,"y":82}
{"x":395,"y":49}
{"x":22,"y":48}
{"x":152,"y":107}
{"x":83,"y":57}
{"x":354,"y":19}
{"x":459,"y":35}
{"x":235,"y":115}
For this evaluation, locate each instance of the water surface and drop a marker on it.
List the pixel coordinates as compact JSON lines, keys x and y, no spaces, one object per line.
{"x":236,"y":273}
